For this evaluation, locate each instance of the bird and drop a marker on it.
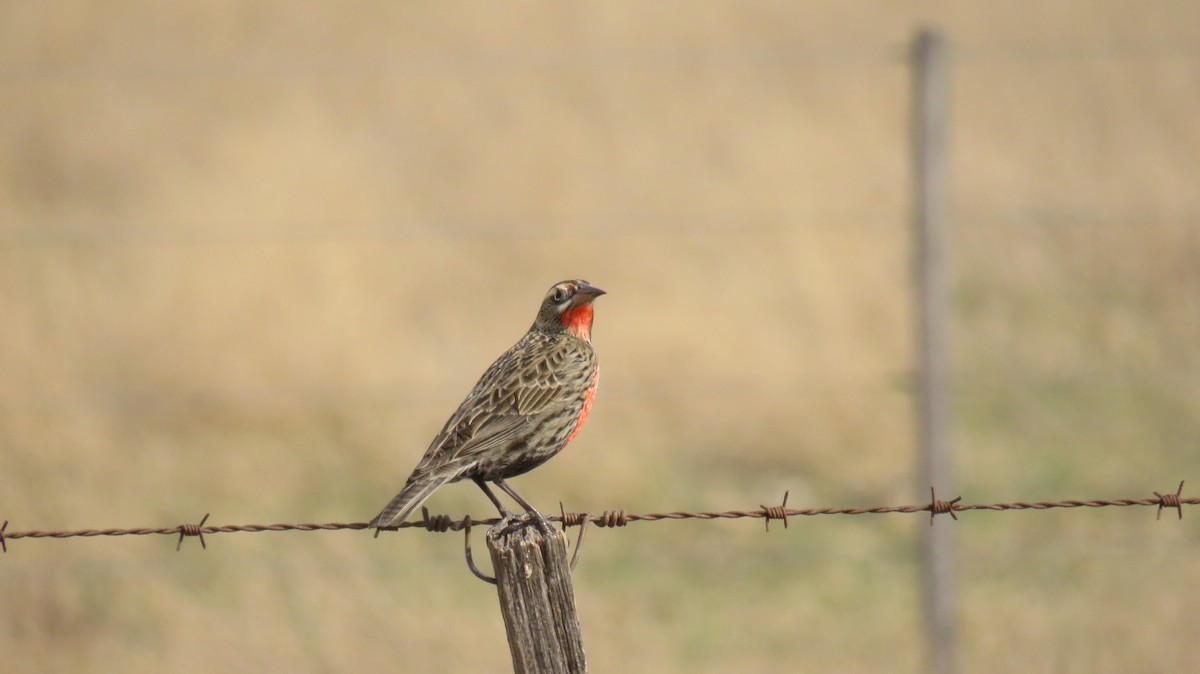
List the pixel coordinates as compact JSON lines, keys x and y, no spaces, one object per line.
{"x":524,"y":410}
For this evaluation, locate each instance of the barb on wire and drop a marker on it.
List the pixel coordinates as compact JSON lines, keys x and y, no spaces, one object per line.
{"x":193,"y":530}
{"x":619,"y":518}
{"x":778,"y":512}
{"x":437,"y":523}
{"x":937,"y":507}
{"x":1166,"y":501}
{"x":582,"y":521}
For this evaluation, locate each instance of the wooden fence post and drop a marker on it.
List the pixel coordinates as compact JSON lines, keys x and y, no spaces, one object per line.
{"x":533,"y":580}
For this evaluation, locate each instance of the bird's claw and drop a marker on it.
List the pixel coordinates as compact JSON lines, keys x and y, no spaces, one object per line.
{"x":542,"y":522}
{"x":507,"y":521}
{"x":512,"y":522}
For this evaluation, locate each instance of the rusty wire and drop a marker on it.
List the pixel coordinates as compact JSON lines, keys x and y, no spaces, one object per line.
{"x":619,"y":518}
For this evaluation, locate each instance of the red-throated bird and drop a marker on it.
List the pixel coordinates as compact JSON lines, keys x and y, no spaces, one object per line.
{"x":525,"y":408}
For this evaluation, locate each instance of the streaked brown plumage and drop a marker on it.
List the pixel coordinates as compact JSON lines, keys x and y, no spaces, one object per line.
{"x":525,"y":408}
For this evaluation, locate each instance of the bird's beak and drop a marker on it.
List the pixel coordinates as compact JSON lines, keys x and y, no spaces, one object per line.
{"x":587,"y":292}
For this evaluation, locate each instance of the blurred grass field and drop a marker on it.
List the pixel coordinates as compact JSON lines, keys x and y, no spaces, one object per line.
{"x":252,"y":255}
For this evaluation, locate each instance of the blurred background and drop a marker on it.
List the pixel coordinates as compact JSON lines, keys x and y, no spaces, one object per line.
{"x":252,"y":255}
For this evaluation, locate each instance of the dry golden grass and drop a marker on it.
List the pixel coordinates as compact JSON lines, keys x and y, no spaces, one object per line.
{"x":251,"y":256}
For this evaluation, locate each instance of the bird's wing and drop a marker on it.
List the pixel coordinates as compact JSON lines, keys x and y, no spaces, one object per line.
{"x":518,"y":388}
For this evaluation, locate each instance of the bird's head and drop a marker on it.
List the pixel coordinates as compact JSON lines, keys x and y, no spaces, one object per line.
{"x":568,"y":306}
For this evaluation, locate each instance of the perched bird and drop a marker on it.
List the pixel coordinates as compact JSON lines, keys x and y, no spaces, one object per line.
{"x":525,"y":408}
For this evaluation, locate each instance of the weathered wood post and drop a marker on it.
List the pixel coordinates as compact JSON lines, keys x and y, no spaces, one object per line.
{"x":533,"y":580}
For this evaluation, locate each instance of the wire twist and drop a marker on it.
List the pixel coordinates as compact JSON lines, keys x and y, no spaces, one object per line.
{"x":610,"y":519}
{"x":439,"y":523}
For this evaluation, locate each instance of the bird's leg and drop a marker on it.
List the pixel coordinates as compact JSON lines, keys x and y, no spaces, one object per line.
{"x":516,"y":497}
{"x":543,"y":523}
{"x":505,"y":513}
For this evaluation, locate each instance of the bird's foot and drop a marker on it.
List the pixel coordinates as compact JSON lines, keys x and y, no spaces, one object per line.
{"x":541,"y":522}
{"x":512,"y":522}
{"x":507,"y":519}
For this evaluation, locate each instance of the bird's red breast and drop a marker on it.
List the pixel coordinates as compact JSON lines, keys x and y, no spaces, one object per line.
{"x":579,"y":321}
{"x":589,"y":397}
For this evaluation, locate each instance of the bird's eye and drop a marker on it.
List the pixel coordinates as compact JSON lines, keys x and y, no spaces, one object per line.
{"x":560,"y":294}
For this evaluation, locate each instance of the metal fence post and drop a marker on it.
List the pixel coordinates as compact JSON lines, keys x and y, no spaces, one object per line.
{"x":929,"y":116}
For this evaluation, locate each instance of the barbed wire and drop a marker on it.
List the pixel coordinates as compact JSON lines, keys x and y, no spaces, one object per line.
{"x":618,"y":518}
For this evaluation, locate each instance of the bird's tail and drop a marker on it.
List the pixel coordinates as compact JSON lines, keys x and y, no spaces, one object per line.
{"x":415,"y":492}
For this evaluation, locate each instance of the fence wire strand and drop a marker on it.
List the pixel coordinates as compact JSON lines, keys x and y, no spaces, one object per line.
{"x":619,"y":518}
